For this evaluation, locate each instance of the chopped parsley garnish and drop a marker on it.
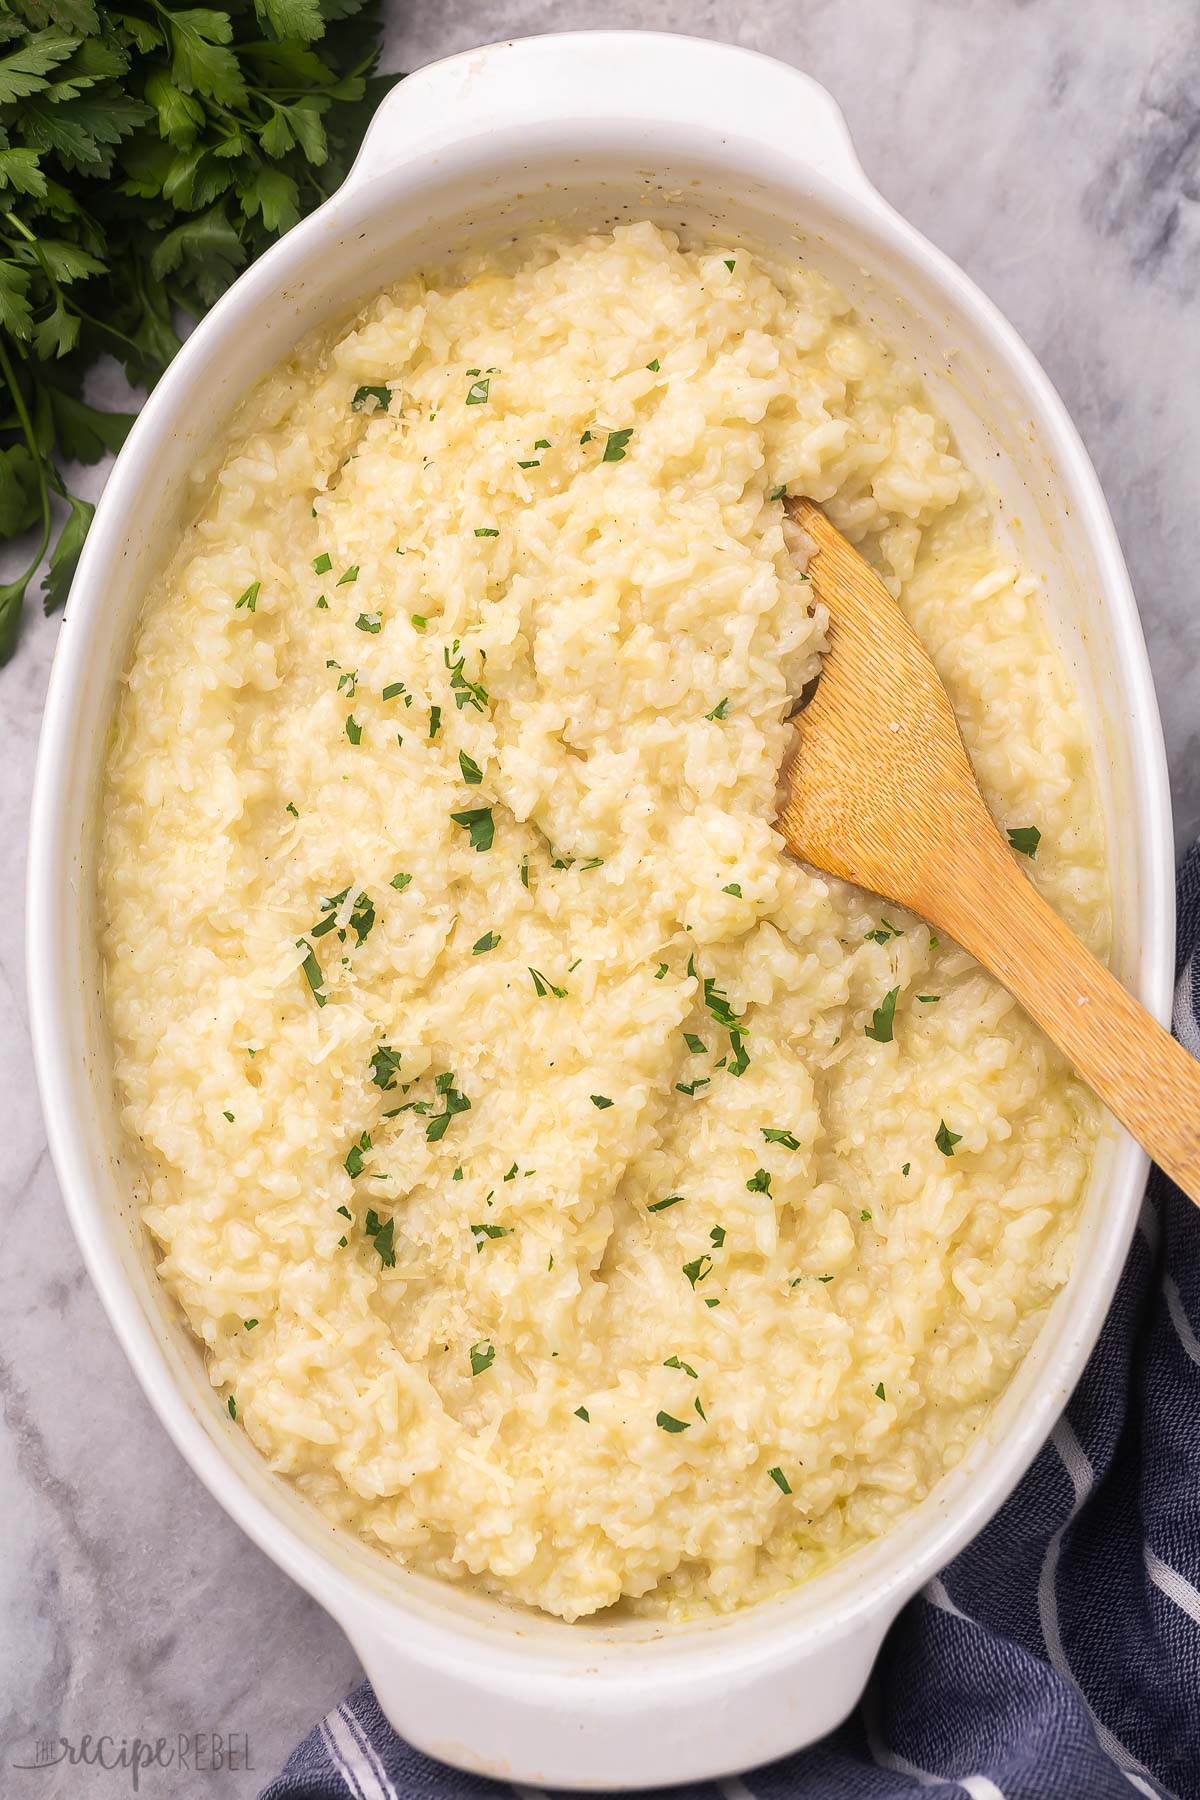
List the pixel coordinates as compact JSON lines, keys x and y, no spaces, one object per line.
{"x":249,"y":1324}
{"x":880,"y":1027}
{"x":348,"y":682}
{"x":458,"y":1174}
{"x":231,"y":1403}
{"x":250,"y":601}
{"x":864,"y":1215}
{"x":662,"y":1205}
{"x":717,"y":1003}
{"x":700,"y":1409}
{"x":660,"y":971}
{"x":933,"y":941}
{"x":601,"y":1101}
{"x":780,"y":1479}
{"x":371,"y":623}
{"x":435,"y":720}
{"x":418,"y":621}
{"x":312,"y":972}
{"x":653,"y":366}
{"x":382,"y":1237}
{"x":541,"y":443}
{"x":542,"y":987}
{"x":717,"y":1234}
{"x":291,"y":808}
{"x":945,"y":1139}
{"x":466,"y":693}
{"x":356,"y":1156}
{"x":879,"y":1393}
{"x":1023,"y":838}
{"x":229,"y":1116}
{"x":697,"y":1271}
{"x":483,"y":1355}
{"x":535,"y":464}
{"x":363,"y":394}
{"x":691,"y":1087}
{"x":472,"y":774}
{"x":393,"y":690}
{"x":581,"y":1412}
{"x":350,"y":575}
{"x":774,"y":1135}
{"x":614,"y":449}
{"x":696,"y":1045}
{"x":480,"y":1232}
{"x":729,"y":262}
{"x":486,"y":531}
{"x":720,"y":710}
{"x":778,"y":493}
{"x":353,"y":729}
{"x":586,"y":438}
{"x":525,"y":872}
{"x":384,"y":1064}
{"x":883,"y":931}
{"x":322,"y":563}
{"x":906,"y":1168}
{"x":929,"y":999}
{"x":741,"y":1061}
{"x":673,"y":1362}
{"x":759,"y":1182}
{"x":734,"y":888}
{"x":485,"y":943}
{"x":346,"y":1213}
{"x":477,"y":393}
{"x":479,"y":822}
{"x":322,"y":603}
{"x":453,"y":1102}
{"x":665,"y":1422}
{"x":400,"y":882}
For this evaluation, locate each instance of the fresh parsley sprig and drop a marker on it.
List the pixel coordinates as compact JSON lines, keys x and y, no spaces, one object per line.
{"x":146,"y":154}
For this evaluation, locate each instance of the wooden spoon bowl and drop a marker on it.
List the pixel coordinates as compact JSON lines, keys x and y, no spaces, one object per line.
{"x":880,"y":791}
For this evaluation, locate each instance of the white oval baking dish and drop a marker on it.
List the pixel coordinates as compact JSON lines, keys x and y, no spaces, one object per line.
{"x":592,"y":128}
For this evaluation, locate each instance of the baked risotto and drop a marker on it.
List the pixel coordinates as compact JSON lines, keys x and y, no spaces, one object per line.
{"x":572,"y":1192}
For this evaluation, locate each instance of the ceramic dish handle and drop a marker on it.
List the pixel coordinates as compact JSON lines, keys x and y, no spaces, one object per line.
{"x":623,"y":85}
{"x":591,"y":1723}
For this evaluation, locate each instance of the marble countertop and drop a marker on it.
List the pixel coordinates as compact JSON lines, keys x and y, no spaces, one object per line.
{"x":1051,"y":150}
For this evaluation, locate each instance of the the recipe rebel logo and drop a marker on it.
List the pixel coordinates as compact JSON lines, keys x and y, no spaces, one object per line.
{"x":192,"y":1753}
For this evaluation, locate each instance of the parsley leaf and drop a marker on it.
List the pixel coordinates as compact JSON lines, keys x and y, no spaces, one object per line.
{"x":479,"y":822}
{"x":483,"y":1355}
{"x":614,"y":449}
{"x":361,"y":395}
{"x":665,"y":1422}
{"x":880,"y":1027}
{"x":1024,"y":839}
{"x":945,"y":1139}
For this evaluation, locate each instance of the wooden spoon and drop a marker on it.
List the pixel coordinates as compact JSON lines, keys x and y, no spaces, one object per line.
{"x":880,"y":792}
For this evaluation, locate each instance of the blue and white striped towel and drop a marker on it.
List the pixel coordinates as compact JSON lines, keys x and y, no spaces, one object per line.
{"x":1058,"y":1658}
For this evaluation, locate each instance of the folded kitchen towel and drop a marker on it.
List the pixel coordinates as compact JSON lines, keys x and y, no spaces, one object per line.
{"x":1058,"y":1657}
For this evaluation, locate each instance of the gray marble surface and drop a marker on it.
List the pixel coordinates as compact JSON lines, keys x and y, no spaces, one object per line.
{"x":1051,"y":147}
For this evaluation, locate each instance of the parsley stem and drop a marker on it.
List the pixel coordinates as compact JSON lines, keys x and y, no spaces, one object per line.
{"x":18,"y":586}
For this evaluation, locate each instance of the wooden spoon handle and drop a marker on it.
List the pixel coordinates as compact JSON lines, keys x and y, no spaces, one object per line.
{"x":1139,"y":1070}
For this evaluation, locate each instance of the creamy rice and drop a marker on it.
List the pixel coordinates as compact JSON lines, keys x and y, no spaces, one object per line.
{"x":689,"y":1300}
